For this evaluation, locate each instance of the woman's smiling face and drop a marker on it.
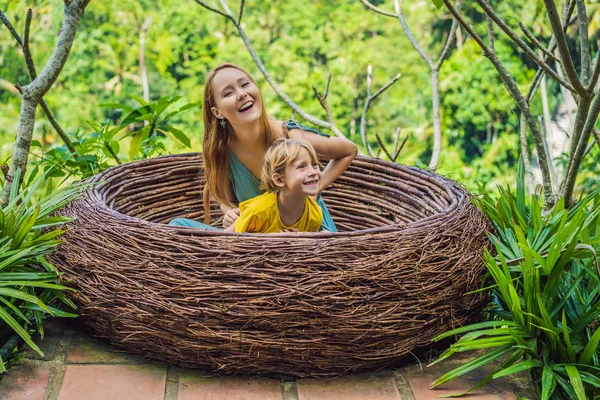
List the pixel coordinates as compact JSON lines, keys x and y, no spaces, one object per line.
{"x":237,"y":99}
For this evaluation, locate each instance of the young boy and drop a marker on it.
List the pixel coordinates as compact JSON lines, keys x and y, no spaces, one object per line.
{"x":290,"y":176}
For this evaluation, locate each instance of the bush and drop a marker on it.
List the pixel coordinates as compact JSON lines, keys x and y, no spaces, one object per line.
{"x":545,"y":317}
{"x":29,"y":285}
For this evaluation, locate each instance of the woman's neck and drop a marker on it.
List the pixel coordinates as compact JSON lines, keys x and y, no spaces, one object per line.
{"x":291,"y":207}
{"x":248,"y":135}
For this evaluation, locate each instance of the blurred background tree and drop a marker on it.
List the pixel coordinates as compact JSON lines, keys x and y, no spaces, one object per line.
{"x":300,"y":43}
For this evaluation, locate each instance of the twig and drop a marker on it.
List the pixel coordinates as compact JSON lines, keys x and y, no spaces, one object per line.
{"x":26,"y":50}
{"x":382,"y":146}
{"x":377,"y":9}
{"x":537,"y":43}
{"x":216,"y":10}
{"x":368,"y":100}
{"x":10,"y":28}
{"x":399,"y":150}
{"x":241,"y":12}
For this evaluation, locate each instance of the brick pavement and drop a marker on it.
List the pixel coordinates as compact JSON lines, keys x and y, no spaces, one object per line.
{"x":75,"y":366}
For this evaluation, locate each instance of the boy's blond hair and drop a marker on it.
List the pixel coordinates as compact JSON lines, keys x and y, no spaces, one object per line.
{"x":281,"y":154}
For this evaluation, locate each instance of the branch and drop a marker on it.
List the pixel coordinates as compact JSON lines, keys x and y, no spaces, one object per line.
{"x":450,"y":39}
{"x":216,"y":10}
{"x":398,"y":149}
{"x":286,"y":99}
{"x":142,"y":60}
{"x":545,"y":133}
{"x":398,"y":6}
{"x":490,"y":32}
{"x":377,"y":9}
{"x":487,"y":9}
{"x":584,"y":42}
{"x":579,"y":153}
{"x":595,"y":76}
{"x":26,"y":50}
{"x":11,"y":28}
{"x":33,"y":74}
{"x":513,"y":89}
{"x":551,"y":47}
{"x":369,"y":99}
{"x":563,"y":48}
{"x":382,"y":146}
{"x":537,"y":43}
{"x":241,"y":12}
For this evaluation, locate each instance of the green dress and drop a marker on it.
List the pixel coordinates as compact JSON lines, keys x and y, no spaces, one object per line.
{"x":246,"y":186}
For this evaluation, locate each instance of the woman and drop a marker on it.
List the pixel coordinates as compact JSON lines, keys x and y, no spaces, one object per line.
{"x":238,"y":132}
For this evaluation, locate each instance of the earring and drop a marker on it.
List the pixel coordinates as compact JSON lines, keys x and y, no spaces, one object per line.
{"x":223,"y":122}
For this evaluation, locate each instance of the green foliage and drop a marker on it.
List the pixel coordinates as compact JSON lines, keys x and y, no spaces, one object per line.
{"x":545,"y":317}
{"x":152,"y":120}
{"x":300,"y":43}
{"x":29,"y":285}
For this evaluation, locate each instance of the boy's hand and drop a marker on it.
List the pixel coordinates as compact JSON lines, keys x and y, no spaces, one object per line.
{"x":293,"y":230}
{"x":230,"y":217}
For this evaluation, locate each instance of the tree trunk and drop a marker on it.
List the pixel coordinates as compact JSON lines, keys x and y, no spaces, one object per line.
{"x":32,"y":94}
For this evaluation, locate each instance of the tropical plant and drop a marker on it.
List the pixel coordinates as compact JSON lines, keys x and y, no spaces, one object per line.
{"x":29,"y":284}
{"x":150,"y":121}
{"x":545,"y":317}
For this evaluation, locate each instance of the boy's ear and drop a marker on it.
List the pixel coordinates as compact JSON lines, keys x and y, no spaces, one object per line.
{"x":216,"y":112}
{"x":278,"y":181}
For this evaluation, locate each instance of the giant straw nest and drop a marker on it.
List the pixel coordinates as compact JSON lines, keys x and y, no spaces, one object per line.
{"x":397,"y":274}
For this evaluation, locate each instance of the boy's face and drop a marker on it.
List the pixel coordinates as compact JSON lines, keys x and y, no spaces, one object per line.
{"x":302,"y":176}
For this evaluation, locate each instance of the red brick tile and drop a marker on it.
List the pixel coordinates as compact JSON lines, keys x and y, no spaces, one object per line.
{"x":354,"y":387}
{"x":26,"y":382}
{"x":194,"y":387}
{"x":113,"y":382}
{"x":492,"y":391}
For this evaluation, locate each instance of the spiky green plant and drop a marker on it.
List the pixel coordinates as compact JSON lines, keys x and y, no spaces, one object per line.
{"x":545,"y":317}
{"x":29,"y":284}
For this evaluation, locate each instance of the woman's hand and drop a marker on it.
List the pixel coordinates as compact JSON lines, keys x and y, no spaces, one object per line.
{"x":230,"y":216}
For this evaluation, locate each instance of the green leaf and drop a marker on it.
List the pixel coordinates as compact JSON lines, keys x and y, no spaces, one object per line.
{"x":548,"y":383}
{"x":472,"y":327}
{"x":576,"y":382}
{"x":590,"y":348}
{"x":473,"y":364}
{"x":17,"y":294}
{"x":179,"y":135}
{"x":438,"y":3}
{"x":14,"y":325}
{"x":522,"y":366}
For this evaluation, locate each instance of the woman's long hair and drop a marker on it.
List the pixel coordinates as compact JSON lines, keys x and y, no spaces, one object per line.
{"x":215,"y":151}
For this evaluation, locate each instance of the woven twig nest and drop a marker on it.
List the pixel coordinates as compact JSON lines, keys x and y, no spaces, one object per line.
{"x":309,"y":304}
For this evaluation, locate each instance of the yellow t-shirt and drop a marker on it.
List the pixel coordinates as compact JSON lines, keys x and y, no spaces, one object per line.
{"x":261,"y":215}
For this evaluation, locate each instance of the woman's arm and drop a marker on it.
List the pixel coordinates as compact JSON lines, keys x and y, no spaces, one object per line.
{"x":340,"y":151}
{"x":230,"y":213}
